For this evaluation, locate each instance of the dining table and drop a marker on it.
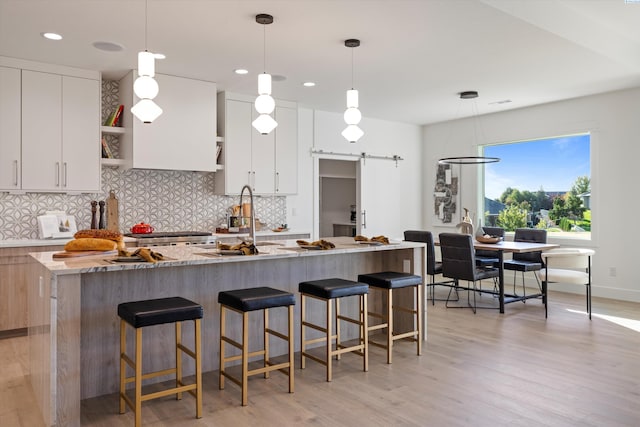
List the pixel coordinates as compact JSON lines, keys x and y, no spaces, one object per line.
{"x":503,"y":247}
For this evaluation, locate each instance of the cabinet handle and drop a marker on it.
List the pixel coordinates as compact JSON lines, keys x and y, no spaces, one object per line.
{"x":249,"y":180}
{"x":15,"y":173}
{"x":253,"y":184}
{"x":277,"y":182}
{"x":364,"y":219}
{"x":57,"y":174}
{"x":64,"y":168}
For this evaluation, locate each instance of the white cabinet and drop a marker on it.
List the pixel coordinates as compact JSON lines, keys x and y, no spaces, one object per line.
{"x":10,"y":160}
{"x":60,"y":136}
{"x":183,"y":137}
{"x":268,"y":163}
{"x":286,"y":154}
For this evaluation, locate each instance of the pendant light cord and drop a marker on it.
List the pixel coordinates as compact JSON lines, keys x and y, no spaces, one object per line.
{"x":352,"y":67}
{"x":145,"y":25}
{"x":264,"y":49}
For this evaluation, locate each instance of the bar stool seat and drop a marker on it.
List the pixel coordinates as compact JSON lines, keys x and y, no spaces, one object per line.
{"x":388,"y":281}
{"x":244,"y":301}
{"x":328,"y":291}
{"x":140,"y":314}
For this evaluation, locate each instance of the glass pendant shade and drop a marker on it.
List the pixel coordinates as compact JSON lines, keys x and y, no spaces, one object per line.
{"x":352,"y":98}
{"x":265,"y":104}
{"x":145,"y":87}
{"x":264,"y":84}
{"x":264,"y":124}
{"x":352,"y":133}
{"x":352,"y":116}
{"x":146,"y":110}
{"x":146,"y":64}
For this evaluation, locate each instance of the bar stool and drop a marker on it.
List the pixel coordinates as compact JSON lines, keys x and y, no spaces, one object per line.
{"x":243,"y":301}
{"x":140,"y":314}
{"x":388,"y":281}
{"x":331,"y":290}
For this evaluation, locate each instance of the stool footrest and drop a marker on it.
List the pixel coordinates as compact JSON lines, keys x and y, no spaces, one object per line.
{"x":316,"y":358}
{"x":154,"y":374}
{"x":405,"y":309}
{"x":314,"y":326}
{"x":378,"y":326}
{"x":163,"y":393}
{"x":405,"y":335}
{"x":348,"y":319}
{"x":239,"y":356}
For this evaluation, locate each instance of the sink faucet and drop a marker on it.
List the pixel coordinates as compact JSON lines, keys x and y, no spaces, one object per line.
{"x":252,"y":220}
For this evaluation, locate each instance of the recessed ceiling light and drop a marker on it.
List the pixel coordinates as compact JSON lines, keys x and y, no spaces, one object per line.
{"x":241,"y":71}
{"x":51,"y":36}
{"x":308,"y":84}
{"x":108,"y":46}
{"x":159,"y":56}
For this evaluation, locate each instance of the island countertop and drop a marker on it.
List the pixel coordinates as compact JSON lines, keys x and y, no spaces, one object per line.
{"x":207,"y":254}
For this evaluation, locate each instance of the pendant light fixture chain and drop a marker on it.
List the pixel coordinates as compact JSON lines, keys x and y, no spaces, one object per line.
{"x":146,"y":25}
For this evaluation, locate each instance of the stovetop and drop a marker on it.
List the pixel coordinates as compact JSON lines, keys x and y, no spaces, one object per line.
{"x":168,"y":234}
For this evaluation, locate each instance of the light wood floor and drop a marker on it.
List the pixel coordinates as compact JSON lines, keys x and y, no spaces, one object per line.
{"x":516,"y":369}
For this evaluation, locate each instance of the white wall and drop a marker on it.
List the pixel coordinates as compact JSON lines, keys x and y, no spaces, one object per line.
{"x":614,"y":122}
{"x":400,"y":205}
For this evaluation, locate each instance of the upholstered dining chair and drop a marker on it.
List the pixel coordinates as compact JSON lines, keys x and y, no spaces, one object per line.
{"x":528,"y":261}
{"x":567,"y":265}
{"x":433,"y":267}
{"x":459,"y":263}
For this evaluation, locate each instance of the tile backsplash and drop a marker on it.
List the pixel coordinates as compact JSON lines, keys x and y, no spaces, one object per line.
{"x":168,"y":200}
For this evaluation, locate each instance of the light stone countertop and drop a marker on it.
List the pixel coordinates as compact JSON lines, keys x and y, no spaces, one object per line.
{"x":207,"y":254}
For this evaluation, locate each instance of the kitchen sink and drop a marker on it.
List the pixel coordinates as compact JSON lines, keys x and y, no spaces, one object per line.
{"x":268,"y":243}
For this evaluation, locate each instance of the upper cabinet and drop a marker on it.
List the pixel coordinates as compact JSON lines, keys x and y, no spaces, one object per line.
{"x":57,"y":125}
{"x":10,"y":105}
{"x":183,"y":137}
{"x":267,"y":163}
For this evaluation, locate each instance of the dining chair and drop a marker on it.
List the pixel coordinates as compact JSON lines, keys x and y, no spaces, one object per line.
{"x":527,"y":261}
{"x":459,"y":263}
{"x":433,"y":267}
{"x":567,"y":265}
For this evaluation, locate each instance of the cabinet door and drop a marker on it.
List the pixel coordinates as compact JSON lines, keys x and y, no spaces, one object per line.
{"x":286,"y":153}
{"x":378,"y":215}
{"x":184,"y":136}
{"x":80,"y":134}
{"x":262,"y":159}
{"x":41,"y":131}
{"x":10,"y":161}
{"x":237,"y":145}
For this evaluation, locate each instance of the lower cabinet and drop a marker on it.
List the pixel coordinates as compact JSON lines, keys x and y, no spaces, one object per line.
{"x":14,"y":265}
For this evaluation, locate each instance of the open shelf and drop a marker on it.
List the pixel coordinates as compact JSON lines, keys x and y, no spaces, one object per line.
{"x":112,"y":129}
{"x":112,"y":162}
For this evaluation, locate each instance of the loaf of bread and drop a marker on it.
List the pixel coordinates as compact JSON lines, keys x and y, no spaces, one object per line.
{"x":99,"y":234}
{"x":90,"y":244}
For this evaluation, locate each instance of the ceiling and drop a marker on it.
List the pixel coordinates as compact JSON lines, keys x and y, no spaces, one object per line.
{"x":415,"y":56}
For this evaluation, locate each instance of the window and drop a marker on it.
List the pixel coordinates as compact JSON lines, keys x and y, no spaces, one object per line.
{"x":543,"y":183}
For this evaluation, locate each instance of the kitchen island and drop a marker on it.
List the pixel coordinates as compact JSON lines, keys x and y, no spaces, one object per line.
{"x":74,"y":328}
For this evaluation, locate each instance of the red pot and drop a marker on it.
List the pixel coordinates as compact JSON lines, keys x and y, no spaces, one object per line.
{"x":142,"y":228}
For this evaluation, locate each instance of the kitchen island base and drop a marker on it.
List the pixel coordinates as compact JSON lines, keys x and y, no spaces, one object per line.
{"x":74,"y":337}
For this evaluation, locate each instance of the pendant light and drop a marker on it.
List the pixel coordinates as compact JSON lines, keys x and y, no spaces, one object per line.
{"x":145,"y":87}
{"x":352,"y":115}
{"x":469,"y":160}
{"x":264,"y":104}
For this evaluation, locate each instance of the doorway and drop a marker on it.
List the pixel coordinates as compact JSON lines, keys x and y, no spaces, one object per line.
{"x":337,"y":197}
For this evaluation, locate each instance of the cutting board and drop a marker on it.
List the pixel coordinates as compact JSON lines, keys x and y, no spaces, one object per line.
{"x":113,"y":216}
{"x":77,"y":254}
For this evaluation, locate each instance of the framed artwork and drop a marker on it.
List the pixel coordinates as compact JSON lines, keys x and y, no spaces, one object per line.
{"x":446,"y":195}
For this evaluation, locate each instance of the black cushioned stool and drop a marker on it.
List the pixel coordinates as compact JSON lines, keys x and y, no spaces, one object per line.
{"x":243,"y":301}
{"x":331,"y":290}
{"x":140,"y":314}
{"x":388,"y":281}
